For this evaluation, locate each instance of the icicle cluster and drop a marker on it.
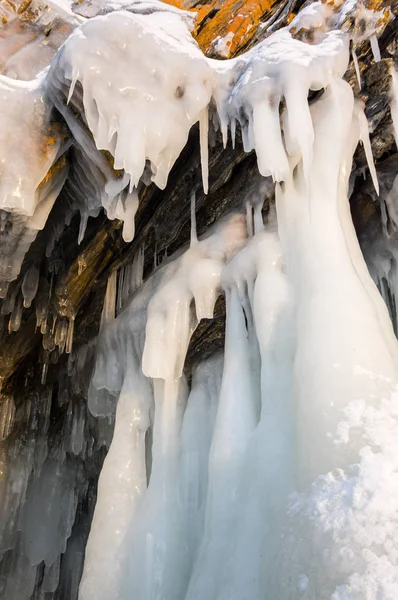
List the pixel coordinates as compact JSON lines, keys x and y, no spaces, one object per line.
{"x":51,"y":450}
{"x":281,"y":482}
{"x":274,"y":474}
{"x":129,"y":119}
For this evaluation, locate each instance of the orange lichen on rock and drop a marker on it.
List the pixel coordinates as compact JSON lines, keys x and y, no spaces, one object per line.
{"x":202,"y":11}
{"x":233,"y":25}
{"x":56,"y":168}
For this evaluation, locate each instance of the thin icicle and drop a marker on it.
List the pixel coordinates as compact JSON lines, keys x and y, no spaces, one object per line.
{"x":108,"y":311}
{"x":364,"y":137}
{"x":194,"y":236}
{"x":375,"y":48}
{"x":75,"y":76}
{"x":356,"y":65}
{"x":249,"y":219}
{"x":394,"y":101}
{"x":69,"y":338}
{"x":204,"y":147}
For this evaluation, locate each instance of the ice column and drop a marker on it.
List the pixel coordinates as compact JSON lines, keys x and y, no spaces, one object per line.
{"x":344,"y":385}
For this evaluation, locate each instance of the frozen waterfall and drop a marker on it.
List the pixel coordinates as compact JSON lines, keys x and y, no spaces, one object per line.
{"x":285,"y":484}
{"x":272,"y":472}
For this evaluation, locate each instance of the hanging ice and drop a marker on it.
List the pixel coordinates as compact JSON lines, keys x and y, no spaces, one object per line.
{"x":292,"y":508}
{"x":275,"y":475}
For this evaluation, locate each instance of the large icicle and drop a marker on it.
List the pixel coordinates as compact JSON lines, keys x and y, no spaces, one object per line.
{"x":345,"y":377}
{"x":148,"y":524}
{"x":122,"y":482}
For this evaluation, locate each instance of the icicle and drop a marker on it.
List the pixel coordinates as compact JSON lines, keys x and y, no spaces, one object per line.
{"x":75,"y":77}
{"x":120,"y":287}
{"x":235,"y":422}
{"x":61,"y":333}
{"x":122,"y":482}
{"x":30,"y":284}
{"x":394,"y":101}
{"x":16,"y":316}
{"x":196,"y":435}
{"x":233,"y":132}
{"x":83,"y":225}
{"x":7,"y":413}
{"x":375,"y":48}
{"x":51,"y":576}
{"x":356,"y":65}
{"x":364,"y":137}
{"x":69,"y":339}
{"x":126,"y":209}
{"x":108,"y":311}
{"x":204,"y":147}
{"x":45,"y":368}
{"x":9,"y":301}
{"x":194,"y":237}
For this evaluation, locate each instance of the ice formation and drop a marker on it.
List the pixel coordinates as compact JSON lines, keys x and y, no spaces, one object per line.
{"x":26,"y":196}
{"x":273,"y":474}
{"x":290,"y":491}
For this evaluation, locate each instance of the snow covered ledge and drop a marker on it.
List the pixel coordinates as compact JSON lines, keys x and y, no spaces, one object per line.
{"x":139,"y":100}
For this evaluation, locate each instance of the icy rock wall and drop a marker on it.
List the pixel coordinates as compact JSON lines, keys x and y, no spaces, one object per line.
{"x":51,"y":452}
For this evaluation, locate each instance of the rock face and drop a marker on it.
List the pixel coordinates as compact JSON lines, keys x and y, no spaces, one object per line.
{"x":51,"y":447}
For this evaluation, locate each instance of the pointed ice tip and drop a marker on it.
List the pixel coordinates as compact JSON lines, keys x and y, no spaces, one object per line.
{"x":204,"y":148}
{"x":376,"y":185}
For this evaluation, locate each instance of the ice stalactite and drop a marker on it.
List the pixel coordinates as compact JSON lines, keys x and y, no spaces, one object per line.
{"x":335,"y":288}
{"x":141,"y":548}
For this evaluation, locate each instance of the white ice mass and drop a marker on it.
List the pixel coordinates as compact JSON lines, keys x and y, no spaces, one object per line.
{"x":273,"y":474}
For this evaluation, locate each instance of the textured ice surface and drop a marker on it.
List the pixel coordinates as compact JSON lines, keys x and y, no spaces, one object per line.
{"x":159,"y":86}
